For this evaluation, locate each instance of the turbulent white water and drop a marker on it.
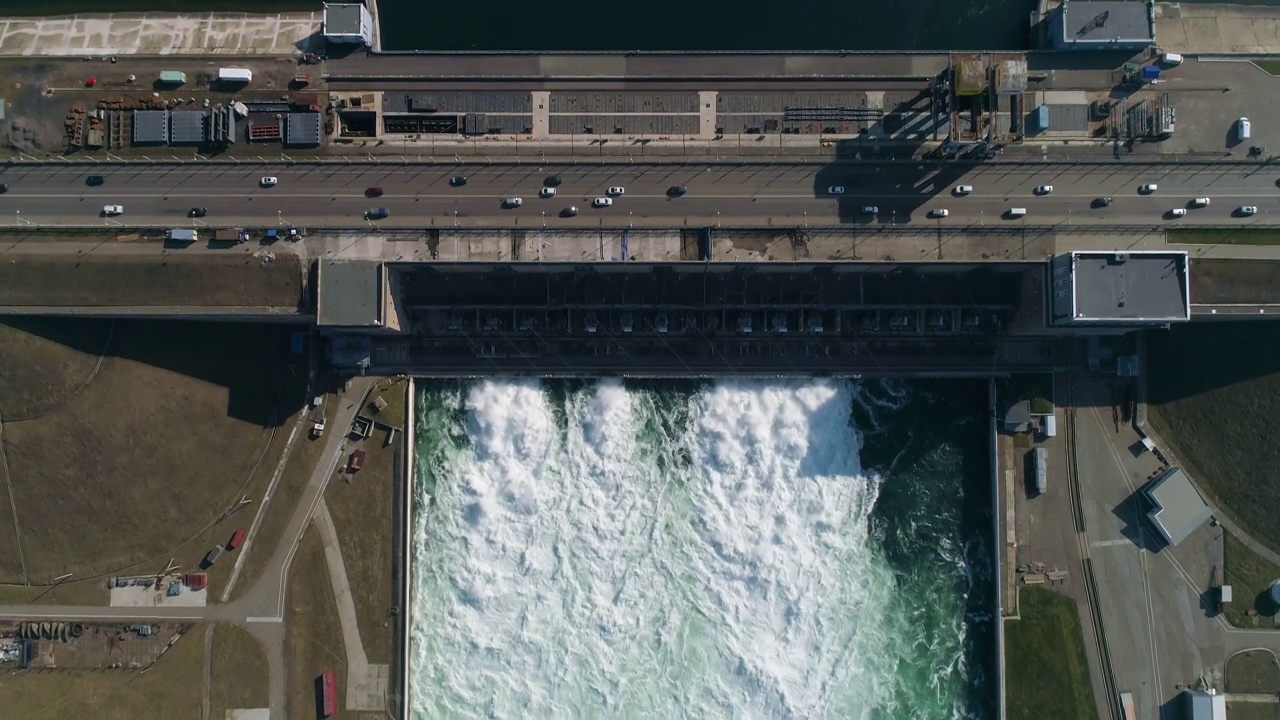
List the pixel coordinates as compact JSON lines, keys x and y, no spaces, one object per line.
{"x":614,"y":553}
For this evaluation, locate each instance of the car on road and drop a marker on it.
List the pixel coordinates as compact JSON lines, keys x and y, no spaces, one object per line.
{"x":512,"y":202}
{"x":1178,"y":212}
{"x":1200,"y":202}
{"x":94,"y":180}
{"x":269,"y":181}
{"x":198,"y":212}
{"x":835,"y":190}
{"x":615,"y":191}
{"x":677,"y":191}
{"x":373,"y":192}
{"x":1148,"y":188}
{"x":939,"y":213}
{"x":376,"y":213}
{"x":458,"y":180}
{"x":569,"y":211}
{"x":1101,"y":202}
{"x":870,"y":210}
{"x":4,"y":187}
{"x":1249,"y":210}
{"x":602,"y":202}
{"x":963,"y":189}
{"x":552,"y":181}
{"x":112,"y":210}
{"x":1044,"y":189}
{"x":547,"y":192}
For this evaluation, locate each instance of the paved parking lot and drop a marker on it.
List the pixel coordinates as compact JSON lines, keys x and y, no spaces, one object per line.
{"x":1209,"y":97}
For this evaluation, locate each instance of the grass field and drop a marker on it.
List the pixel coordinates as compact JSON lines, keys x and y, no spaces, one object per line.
{"x":138,"y":461}
{"x":1214,"y":392}
{"x":362,"y":513}
{"x":1253,"y":671}
{"x":1047,"y":677}
{"x":239,"y":676}
{"x":1235,"y":281}
{"x":192,"y":280}
{"x":313,"y":635}
{"x":1270,"y":67}
{"x":1224,"y":236}
{"x":169,"y":689}
{"x":1249,"y":576}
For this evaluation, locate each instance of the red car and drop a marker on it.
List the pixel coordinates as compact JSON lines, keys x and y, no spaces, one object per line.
{"x":236,"y":539}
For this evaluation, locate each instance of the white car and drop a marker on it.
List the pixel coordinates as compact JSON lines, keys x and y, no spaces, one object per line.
{"x":964,"y":189}
{"x":1178,"y":212}
{"x":547,"y":192}
{"x":939,"y":213}
{"x":602,"y":202}
{"x":1148,"y":188}
{"x":1044,"y":189}
{"x":1200,"y":202}
{"x":512,"y":202}
{"x":110,"y":210}
{"x":835,"y":190}
{"x":870,"y":210}
{"x":1249,"y":210}
{"x":614,"y":191}
{"x":269,"y":181}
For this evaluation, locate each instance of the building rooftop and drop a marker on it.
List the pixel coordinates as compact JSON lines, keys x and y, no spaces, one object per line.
{"x":1179,"y":507}
{"x":349,"y":293}
{"x":342,"y":18}
{"x":1105,"y":22}
{"x":1130,"y":286}
{"x":303,"y":129}
{"x":1206,"y":706}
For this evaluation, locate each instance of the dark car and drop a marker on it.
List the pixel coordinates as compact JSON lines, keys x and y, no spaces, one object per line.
{"x":552,"y":181}
{"x":373,"y":192}
{"x":1101,"y":202}
{"x":94,"y":180}
{"x":676,"y":190}
{"x":376,"y":213}
{"x":457,"y":181}
{"x":569,"y":212}
{"x":198,"y":212}
{"x":4,"y":187}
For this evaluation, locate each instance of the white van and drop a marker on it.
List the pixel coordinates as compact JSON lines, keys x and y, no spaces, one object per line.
{"x":1242,"y":127}
{"x":1171,"y":59}
{"x":1200,"y":202}
{"x":1017,"y":212}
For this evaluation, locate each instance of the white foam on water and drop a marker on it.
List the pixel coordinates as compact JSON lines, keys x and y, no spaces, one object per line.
{"x":601,"y":569}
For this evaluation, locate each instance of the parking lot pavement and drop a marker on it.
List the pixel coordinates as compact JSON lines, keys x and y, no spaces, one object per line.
{"x":1160,"y":633}
{"x":1209,"y":97}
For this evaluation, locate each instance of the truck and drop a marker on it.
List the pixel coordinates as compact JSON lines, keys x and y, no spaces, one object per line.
{"x":213,"y":556}
{"x":183,"y":235}
{"x":231,"y":235}
{"x":1041,"y":459}
{"x":1127,"y":707}
{"x":328,"y":694}
{"x":235,"y":75}
{"x":317,"y":421}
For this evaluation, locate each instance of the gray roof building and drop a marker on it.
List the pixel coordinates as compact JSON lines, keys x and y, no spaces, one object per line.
{"x":348,"y":23}
{"x":1086,"y":25}
{"x":1120,"y":289}
{"x":1179,"y":506}
{"x":303,"y":129}
{"x":151,"y":127}
{"x":1205,"y":705}
{"x":357,"y":294}
{"x":187,"y":127}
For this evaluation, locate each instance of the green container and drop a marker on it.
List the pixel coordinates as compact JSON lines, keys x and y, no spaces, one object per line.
{"x":173,"y":77}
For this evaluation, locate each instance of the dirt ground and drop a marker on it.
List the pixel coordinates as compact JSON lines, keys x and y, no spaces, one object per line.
{"x":1234,"y":281}
{"x":362,"y":508}
{"x":169,"y":689}
{"x":135,"y":456}
{"x":193,"y":280}
{"x":239,"y":675}
{"x":313,"y":641}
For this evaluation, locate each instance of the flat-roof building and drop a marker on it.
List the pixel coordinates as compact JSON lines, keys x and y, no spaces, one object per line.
{"x":348,"y":23}
{"x":356,"y":294}
{"x":1205,"y":705}
{"x":1086,"y":25}
{"x":1179,"y":508}
{"x":1119,"y":290}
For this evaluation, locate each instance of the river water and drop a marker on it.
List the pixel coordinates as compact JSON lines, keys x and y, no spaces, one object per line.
{"x":739,"y":549}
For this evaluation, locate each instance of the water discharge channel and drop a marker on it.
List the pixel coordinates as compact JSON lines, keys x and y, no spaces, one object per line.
{"x":812,"y":548}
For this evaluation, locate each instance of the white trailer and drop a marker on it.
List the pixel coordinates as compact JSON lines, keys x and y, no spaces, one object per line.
{"x":1042,"y":470}
{"x":235,"y":75}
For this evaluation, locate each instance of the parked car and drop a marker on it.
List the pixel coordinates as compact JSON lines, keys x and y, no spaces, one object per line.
{"x":939,"y":213}
{"x":615,"y":191}
{"x":1044,"y":189}
{"x":94,"y":180}
{"x":1148,"y":188}
{"x":835,"y":190}
{"x":512,"y":202}
{"x":458,"y":180}
{"x":198,"y":212}
{"x":676,"y":191}
{"x":269,"y":181}
{"x":376,"y":213}
{"x":963,"y":189}
{"x":546,"y":192}
{"x":1249,"y":210}
{"x":602,"y":202}
{"x":373,"y":192}
{"x":111,"y":210}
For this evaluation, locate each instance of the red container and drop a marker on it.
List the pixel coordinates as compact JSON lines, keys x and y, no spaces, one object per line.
{"x":328,"y":694}
{"x":236,"y":539}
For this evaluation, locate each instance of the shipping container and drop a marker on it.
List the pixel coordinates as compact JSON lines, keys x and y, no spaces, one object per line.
{"x":183,"y":234}
{"x":236,"y":539}
{"x":173,"y":77}
{"x":1042,"y":470}
{"x":328,"y":694}
{"x":1050,"y":425}
{"x":235,"y":75}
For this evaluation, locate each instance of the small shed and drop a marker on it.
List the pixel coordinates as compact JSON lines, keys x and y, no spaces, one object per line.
{"x":1224,"y":594}
{"x":379,"y":404}
{"x":1041,"y":117}
{"x":1049,"y":426}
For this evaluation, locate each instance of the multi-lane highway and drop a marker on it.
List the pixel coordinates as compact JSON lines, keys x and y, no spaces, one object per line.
{"x":421,"y":195}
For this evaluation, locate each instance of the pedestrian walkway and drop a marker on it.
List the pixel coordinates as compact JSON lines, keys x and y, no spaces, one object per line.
{"x":203,"y":34}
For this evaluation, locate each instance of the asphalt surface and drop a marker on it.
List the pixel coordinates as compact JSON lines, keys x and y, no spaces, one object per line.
{"x":420,"y":196}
